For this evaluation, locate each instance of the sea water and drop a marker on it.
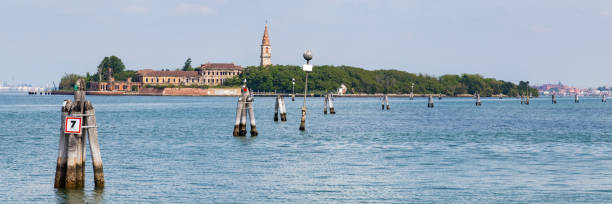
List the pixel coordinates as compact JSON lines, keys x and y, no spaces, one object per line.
{"x":181,"y":149}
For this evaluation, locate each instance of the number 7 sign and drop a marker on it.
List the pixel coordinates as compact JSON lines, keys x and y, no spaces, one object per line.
{"x":73,"y":125}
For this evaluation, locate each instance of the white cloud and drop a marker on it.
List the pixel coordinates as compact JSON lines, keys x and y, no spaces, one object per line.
{"x":134,"y":9}
{"x":196,"y":9}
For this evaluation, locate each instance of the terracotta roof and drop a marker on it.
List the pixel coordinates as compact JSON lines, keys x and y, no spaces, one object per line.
{"x":266,"y":38}
{"x":225,"y":66}
{"x":151,"y":73}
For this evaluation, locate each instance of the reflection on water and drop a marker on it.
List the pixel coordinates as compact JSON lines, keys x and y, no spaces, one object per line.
{"x":63,"y":195}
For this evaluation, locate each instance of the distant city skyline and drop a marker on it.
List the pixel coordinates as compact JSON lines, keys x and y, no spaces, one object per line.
{"x":543,"y":42}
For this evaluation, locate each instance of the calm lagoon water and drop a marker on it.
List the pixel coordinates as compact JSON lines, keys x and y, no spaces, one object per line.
{"x":181,"y":149}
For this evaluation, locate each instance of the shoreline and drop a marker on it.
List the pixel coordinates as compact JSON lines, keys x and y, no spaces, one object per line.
{"x":236,"y":92}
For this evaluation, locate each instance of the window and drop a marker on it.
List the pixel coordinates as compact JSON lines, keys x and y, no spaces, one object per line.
{"x":157,"y":80}
{"x":147,"y":80}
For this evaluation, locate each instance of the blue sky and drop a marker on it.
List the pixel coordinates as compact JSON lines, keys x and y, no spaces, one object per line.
{"x":540,"y":41}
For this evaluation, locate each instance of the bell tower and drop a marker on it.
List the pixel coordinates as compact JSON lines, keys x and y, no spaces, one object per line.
{"x":265,"y":49}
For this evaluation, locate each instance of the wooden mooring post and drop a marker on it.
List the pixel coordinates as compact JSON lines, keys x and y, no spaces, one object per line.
{"x":330,"y":100}
{"x":430,"y":102}
{"x":385,"y":101}
{"x":604,"y":98}
{"x":280,"y":108}
{"x":328,"y":103}
{"x":522,"y":99}
{"x":78,"y":118}
{"x":478,"y":103}
{"x":276,"y":107}
{"x":554,"y":98}
{"x":576,"y":99}
{"x":244,"y":108}
{"x":325,"y":104}
{"x":527,"y":99}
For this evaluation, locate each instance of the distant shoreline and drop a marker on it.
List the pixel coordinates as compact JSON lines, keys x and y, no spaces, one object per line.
{"x":266,"y":94}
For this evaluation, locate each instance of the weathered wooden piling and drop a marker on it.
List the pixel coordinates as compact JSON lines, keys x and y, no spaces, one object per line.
{"x":430,"y":102}
{"x":283,"y":109}
{"x":239,"y":108}
{"x":478,"y":103}
{"x":94,"y":147}
{"x":330,"y":100}
{"x":243,"y":118}
{"x":604,"y":99}
{"x":527,"y":99}
{"x":522,"y":99}
{"x":440,"y":96}
{"x":387,"y":101}
{"x":62,"y":156}
{"x":280,"y":108}
{"x":325,"y":104}
{"x":78,"y":118}
{"x":554,"y":98}
{"x":576,"y":99}
{"x":276,"y":107}
{"x":249,"y":104}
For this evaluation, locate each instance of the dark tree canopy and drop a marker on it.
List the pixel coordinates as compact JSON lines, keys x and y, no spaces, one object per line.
{"x":68,"y":80}
{"x":357,"y":80}
{"x":110,"y":62}
{"x":187,"y":66}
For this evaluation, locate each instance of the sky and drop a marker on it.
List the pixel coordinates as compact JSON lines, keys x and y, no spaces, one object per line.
{"x":543,"y":41}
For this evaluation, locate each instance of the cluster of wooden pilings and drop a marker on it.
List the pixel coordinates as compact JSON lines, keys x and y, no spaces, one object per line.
{"x":279,"y":107}
{"x":39,"y":92}
{"x":385,"y":101}
{"x":244,"y":108}
{"x":576,"y":99}
{"x":78,"y":118}
{"x":525,"y":99}
{"x":329,"y":103}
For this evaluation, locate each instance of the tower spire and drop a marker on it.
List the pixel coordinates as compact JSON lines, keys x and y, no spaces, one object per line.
{"x":265,"y":49}
{"x":266,"y":38}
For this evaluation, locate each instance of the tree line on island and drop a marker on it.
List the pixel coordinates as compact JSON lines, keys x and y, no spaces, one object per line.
{"x":326,"y":79}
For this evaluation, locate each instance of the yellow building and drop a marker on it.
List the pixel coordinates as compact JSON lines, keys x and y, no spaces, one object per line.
{"x":208,"y":74}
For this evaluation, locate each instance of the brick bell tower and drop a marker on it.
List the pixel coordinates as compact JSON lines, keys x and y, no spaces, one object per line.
{"x":265,"y":49}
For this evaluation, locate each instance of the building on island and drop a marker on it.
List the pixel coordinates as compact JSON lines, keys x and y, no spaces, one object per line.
{"x":217,"y":73}
{"x":266,"y":49}
{"x":210,"y":74}
{"x":111,"y":85}
{"x":154,"y":77}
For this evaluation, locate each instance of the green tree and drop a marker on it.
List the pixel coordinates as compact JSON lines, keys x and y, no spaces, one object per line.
{"x":187,"y":66}
{"x":326,"y":79}
{"x":68,"y":80}
{"x":112,"y":62}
